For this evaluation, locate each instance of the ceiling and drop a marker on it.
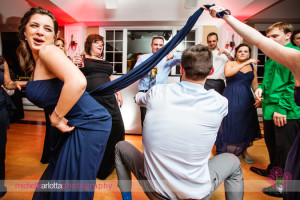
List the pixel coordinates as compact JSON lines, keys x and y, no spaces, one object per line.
{"x":145,"y":12}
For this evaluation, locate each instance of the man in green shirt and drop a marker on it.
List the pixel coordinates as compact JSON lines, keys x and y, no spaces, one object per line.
{"x":280,"y":112}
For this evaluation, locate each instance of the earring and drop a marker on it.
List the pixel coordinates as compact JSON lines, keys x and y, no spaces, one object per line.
{"x":25,"y":37}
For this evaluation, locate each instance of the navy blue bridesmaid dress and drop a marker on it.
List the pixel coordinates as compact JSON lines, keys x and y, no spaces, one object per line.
{"x":240,"y":127}
{"x":4,"y":123}
{"x":292,"y":165}
{"x":76,"y":155}
{"x":6,"y":108}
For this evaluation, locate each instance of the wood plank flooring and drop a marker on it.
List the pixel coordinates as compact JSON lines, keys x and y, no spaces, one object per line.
{"x":24,"y":149}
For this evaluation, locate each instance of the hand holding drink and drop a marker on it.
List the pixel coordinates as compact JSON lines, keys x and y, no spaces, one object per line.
{"x":78,"y":61}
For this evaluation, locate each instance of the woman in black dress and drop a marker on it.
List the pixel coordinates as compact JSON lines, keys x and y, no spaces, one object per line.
{"x":97,"y":72}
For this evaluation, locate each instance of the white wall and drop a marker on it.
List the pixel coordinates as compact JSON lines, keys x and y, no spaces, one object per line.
{"x":12,"y":8}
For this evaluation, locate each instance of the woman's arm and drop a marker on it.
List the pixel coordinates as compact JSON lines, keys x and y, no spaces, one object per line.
{"x":254,"y":86}
{"x":288,"y":57}
{"x":231,"y":68}
{"x":56,"y":62}
{"x":8,"y":83}
{"x":254,"y":83}
{"x":119,"y":95}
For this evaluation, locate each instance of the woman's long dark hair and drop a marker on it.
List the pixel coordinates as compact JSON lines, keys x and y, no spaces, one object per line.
{"x":24,"y":53}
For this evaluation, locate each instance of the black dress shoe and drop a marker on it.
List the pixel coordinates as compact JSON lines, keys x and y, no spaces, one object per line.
{"x":258,"y":171}
{"x":272,"y":191}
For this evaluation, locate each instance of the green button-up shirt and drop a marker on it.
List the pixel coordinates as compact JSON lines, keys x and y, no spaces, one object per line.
{"x":278,"y":90}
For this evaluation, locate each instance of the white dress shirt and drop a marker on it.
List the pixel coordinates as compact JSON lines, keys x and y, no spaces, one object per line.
{"x":180,"y":129}
{"x":219,"y":62}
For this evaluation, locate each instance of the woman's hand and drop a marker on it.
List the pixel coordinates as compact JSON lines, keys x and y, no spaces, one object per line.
{"x":257,"y":103}
{"x":253,"y":61}
{"x":60,"y":123}
{"x":258,"y":94}
{"x":78,"y":61}
{"x":20,"y":84}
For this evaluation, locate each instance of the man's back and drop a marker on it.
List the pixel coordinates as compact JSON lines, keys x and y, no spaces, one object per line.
{"x":180,"y":129}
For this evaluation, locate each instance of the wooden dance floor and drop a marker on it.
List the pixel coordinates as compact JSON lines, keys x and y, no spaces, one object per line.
{"x":24,"y":150}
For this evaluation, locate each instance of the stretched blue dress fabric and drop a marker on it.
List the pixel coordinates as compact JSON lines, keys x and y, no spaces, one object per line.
{"x":141,"y":70}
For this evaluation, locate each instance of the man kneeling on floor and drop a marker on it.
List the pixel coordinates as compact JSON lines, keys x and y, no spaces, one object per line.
{"x":179,"y":132}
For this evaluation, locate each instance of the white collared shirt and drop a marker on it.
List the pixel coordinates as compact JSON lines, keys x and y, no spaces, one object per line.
{"x":180,"y":129}
{"x":219,"y":62}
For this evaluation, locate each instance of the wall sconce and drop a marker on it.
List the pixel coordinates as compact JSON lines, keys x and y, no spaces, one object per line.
{"x":232,"y":43}
{"x":227,"y":45}
{"x":73,"y":43}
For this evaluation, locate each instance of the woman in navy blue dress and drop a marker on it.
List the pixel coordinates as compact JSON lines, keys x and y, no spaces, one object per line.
{"x":81,"y":126}
{"x":240,"y":127}
{"x":60,"y":43}
{"x":5,"y":105}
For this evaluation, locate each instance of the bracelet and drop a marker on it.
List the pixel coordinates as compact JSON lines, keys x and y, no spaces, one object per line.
{"x":57,"y":113}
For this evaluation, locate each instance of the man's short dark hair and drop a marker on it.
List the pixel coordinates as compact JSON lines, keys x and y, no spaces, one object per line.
{"x":197,"y":62}
{"x":212,"y":34}
{"x":157,"y":37}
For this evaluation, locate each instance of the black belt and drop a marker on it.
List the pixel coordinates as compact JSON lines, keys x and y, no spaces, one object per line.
{"x":215,"y":80}
{"x":143,"y":91}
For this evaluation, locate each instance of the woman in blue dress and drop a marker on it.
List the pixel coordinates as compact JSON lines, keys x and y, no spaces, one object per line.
{"x":240,"y":127}
{"x":81,"y":126}
{"x":60,"y":43}
{"x":5,"y":105}
{"x":290,"y":58}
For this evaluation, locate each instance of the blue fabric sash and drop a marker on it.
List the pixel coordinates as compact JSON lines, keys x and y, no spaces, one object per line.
{"x":141,"y":70}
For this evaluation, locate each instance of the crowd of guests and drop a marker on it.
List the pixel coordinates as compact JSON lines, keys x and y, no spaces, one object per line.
{"x":214,"y":104}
